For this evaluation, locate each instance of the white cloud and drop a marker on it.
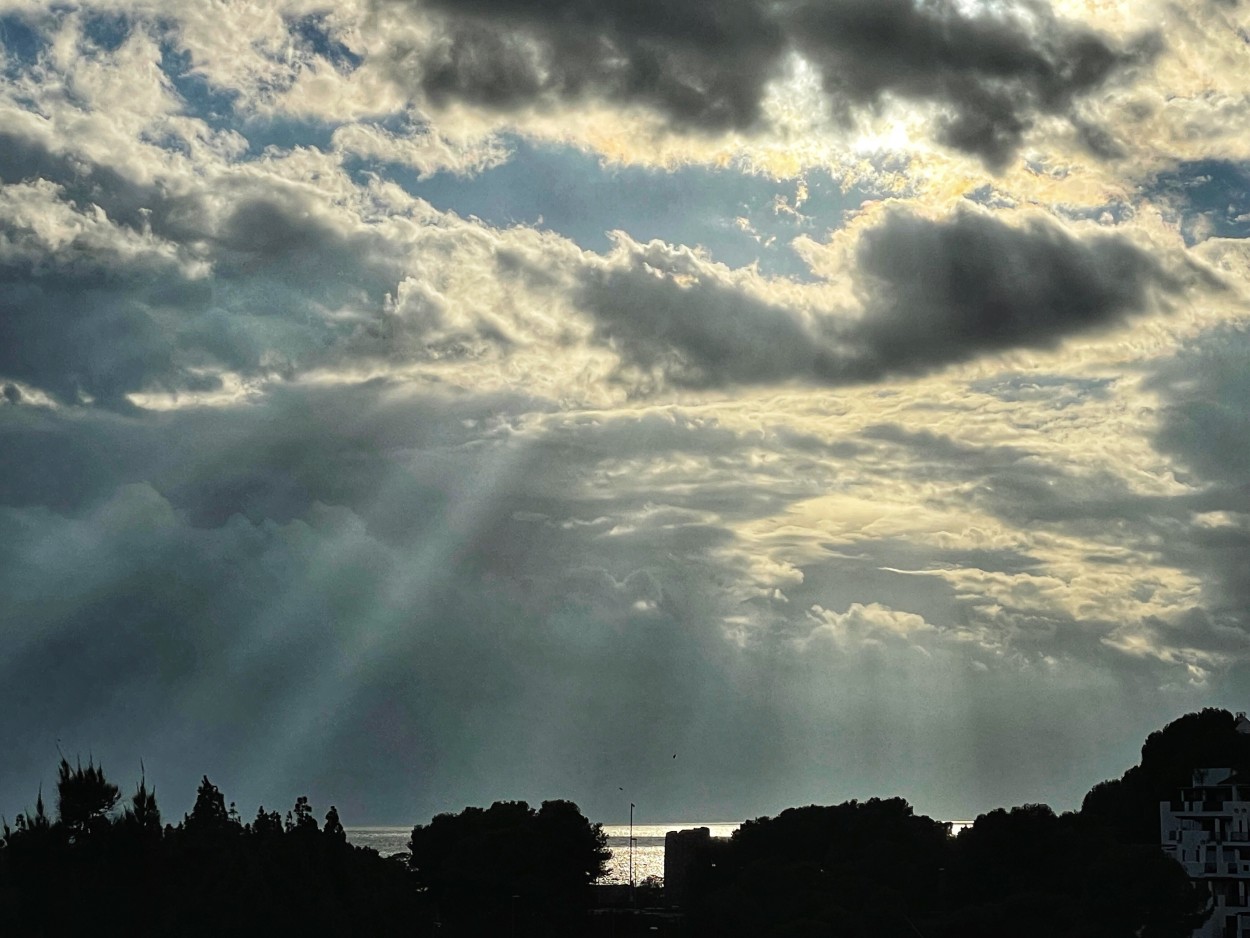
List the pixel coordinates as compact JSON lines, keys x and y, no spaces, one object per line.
{"x":872,"y":621}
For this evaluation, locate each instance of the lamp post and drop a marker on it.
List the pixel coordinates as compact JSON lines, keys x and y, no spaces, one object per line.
{"x":631,"y":851}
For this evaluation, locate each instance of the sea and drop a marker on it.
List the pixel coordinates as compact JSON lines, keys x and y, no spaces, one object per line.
{"x":648,"y":853}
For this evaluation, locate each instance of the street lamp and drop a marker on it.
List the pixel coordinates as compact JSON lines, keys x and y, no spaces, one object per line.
{"x":631,"y":851}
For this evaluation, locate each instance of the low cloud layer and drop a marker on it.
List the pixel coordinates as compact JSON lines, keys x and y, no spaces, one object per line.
{"x":411,"y":610}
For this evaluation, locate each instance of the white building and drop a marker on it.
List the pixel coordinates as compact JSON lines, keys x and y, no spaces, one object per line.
{"x":1206,"y":828}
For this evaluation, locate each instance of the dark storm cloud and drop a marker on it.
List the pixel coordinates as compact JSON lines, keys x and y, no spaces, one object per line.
{"x":707,"y":65}
{"x":81,"y":317}
{"x":933,"y":293}
{"x":990,"y":74}
{"x":704,"y":65}
{"x":938,"y":292}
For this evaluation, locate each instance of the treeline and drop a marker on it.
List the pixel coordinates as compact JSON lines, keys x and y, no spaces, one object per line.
{"x":99,"y":866}
{"x":90,"y":868}
{"x":877,"y":870}
{"x":870,"y":869}
{"x":510,"y":869}
{"x":1129,"y":806}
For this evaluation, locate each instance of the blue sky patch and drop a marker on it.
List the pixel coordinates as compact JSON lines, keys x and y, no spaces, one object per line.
{"x":312,"y":30}
{"x":107,"y":31}
{"x":1211,"y":198}
{"x":565,"y":190}
{"x":285,"y":133}
{"x":22,"y":43}
{"x":214,"y":106}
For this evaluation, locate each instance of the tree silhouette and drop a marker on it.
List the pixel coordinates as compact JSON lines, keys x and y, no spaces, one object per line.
{"x":875,"y":869}
{"x":89,"y":871}
{"x":857,"y":869}
{"x":1129,"y":806}
{"x":209,"y":814}
{"x":143,"y":813}
{"x":300,"y":818}
{"x":84,"y":799}
{"x":27,"y":822}
{"x":334,"y":828}
{"x":267,"y":824}
{"x":509,"y":866}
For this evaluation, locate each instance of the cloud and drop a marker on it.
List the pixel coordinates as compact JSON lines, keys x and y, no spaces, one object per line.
{"x":99,"y":306}
{"x":1109,"y":556}
{"x":990,"y":73}
{"x":931,"y":292}
{"x":425,"y":149}
{"x":703,"y":65}
{"x":867,"y":621}
{"x":83,"y":298}
{"x":341,"y":590}
{"x":390,"y":586}
{"x":674,"y":314}
{"x":940,"y":292}
{"x":284,"y":263}
{"x":1205,"y":427}
{"x":119,"y":286}
{"x":1205,"y":391}
{"x":707,"y":67}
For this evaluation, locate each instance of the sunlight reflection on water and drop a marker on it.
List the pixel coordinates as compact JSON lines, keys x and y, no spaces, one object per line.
{"x":648,"y":845}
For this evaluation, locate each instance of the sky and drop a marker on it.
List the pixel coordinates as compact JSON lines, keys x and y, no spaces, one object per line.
{"x":714,"y":406}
